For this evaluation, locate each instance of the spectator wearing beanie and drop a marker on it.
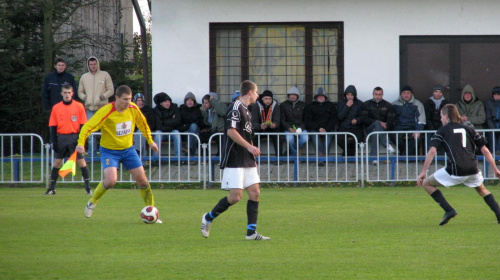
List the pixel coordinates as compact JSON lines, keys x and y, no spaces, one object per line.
{"x":170,"y":118}
{"x":409,"y":116}
{"x":266,"y":116}
{"x":433,"y":108}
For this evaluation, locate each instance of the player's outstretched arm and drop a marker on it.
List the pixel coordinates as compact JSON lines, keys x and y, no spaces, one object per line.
{"x":428,"y":160}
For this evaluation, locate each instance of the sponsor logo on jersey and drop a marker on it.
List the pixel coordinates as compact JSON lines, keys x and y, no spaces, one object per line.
{"x":124,"y":128}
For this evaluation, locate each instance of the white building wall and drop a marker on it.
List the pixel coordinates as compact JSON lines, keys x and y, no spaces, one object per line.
{"x":371,"y":35}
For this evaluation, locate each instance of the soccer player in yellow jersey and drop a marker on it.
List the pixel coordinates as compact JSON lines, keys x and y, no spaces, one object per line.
{"x":117,"y":121}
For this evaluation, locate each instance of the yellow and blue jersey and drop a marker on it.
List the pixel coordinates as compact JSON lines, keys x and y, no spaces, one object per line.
{"x":117,"y":128}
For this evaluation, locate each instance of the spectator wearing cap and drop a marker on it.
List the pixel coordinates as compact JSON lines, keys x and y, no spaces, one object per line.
{"x":433,"y":108}
{"x":471,"y":108}
{"x":493,"y":119}
{"x":170,"y":118}
{"x":236,"y":96}
{"x":377,"y":115}
{"x":214,"y":113}
{"x":191,"y":120}
{"x":292,"y":120}
{"x":349,"y":114}
{"x":409,"y":116}
{"x":153,"y":119}
{"x":266,"y":118}
{"x":321,"y":116}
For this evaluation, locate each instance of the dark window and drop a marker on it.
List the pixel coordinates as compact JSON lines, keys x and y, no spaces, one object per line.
{"x":277,"y":56}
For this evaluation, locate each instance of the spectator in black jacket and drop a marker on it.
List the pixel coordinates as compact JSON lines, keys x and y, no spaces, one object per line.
{"x":292,"y":120}
{"x":153,"y":119}
{"x":266,"y":118}
{"x":377,"y":115}
{"x":433,"y":108}
{"x":349,"y":114}
{"x":321,"y":116}
{"x":170,"y":118}
{"x":51,"y":89}
{"x":191,"y":120}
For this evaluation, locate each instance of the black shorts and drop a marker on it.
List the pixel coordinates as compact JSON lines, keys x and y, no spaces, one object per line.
{"x":66,"y":144}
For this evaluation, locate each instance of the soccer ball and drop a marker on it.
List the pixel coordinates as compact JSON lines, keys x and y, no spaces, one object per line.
{"x":149,"y":214}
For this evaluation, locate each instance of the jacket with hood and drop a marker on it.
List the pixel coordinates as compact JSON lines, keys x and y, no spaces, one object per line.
{"x":51,"y":89}
{"x":320,"y":114}
{"x":493,"y":110}
{"x":259,"y":108}
{"x":94,"y":89}
{"x":474,"y":110}
{"x":347,"y":114}
{"x":292,"y":113}
{"x":218,"y":111}
{"x":152,"y":117}
{"x":378,"y":111}
{"x":190,"y":115}
{"x":433,"y":113}
{"x":409,"y":115}
{"x":170,"y":118}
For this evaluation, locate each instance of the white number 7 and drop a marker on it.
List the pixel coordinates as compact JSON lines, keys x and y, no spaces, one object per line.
{"x":461,"y":131}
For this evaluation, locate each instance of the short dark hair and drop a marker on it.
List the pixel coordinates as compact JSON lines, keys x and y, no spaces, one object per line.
{"x":452,"y":112}
{"x":123,"y":89}
{"x":378,"y":88}
{"x":206,"y":97}
{"x":247,"y":86}
{"x":59,"y":59}
{"x":66,"y":86}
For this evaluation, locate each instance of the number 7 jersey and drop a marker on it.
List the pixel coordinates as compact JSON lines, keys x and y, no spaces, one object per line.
{"x":459,"y":141}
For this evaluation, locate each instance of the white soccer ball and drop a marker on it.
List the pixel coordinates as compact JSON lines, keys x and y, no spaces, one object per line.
{"x":149,"y":214}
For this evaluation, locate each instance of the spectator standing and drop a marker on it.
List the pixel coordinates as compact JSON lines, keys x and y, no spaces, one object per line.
{"x":321,"y":116}
{"x":240,"y":167}
{"x":292,"y":120}
{"x":94,"y":89}
{"x":191,"y":120}
{"x":493,"y":119}
{"x":266,"y":118}
{"x":349,"y":114}
{"x":170,"y":118}
{"x":153,"y":119}
{"x":66,"y":119}
{"x":214,"y":113}
{"x":471,"y":108}
{"x":409,"y":116}
{"x":51,"y":89}
{"x":377,"y":115}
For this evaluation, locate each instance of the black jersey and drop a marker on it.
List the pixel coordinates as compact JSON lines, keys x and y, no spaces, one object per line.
{"x":234,"y":155}
{"x":459,"y":142}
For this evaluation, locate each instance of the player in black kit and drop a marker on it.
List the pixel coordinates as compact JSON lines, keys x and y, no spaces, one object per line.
{"x":238,"y":162}
{"x":459,"y":142}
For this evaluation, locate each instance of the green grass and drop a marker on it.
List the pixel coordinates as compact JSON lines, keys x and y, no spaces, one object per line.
{"x":317,"y":233}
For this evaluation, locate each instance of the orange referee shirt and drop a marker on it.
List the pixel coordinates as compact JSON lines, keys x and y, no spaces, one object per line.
{"x":68,"y":118}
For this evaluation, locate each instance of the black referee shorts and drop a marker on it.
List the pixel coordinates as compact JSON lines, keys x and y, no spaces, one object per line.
{"x":66,"y":144}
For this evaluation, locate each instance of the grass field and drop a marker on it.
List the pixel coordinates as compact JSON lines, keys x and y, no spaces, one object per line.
{"x":317,"y":233}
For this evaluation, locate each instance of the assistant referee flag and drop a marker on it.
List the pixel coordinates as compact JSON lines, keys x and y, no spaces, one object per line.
{"x":69,"y":166}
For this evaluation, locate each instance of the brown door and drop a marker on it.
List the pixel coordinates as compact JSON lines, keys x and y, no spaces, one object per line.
{"x":453,"y":62}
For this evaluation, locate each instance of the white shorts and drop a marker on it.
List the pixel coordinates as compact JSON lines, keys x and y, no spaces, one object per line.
{"x":443,"y":178}
{"x":239,"y":178}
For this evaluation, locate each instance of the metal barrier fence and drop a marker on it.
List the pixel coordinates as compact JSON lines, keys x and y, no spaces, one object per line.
{"x":278,"y":163}
{"x":22,"y":158}
{"x":25,"y":158}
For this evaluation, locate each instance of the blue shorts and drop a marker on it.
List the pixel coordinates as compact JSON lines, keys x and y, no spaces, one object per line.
{"x":112,"y":158}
